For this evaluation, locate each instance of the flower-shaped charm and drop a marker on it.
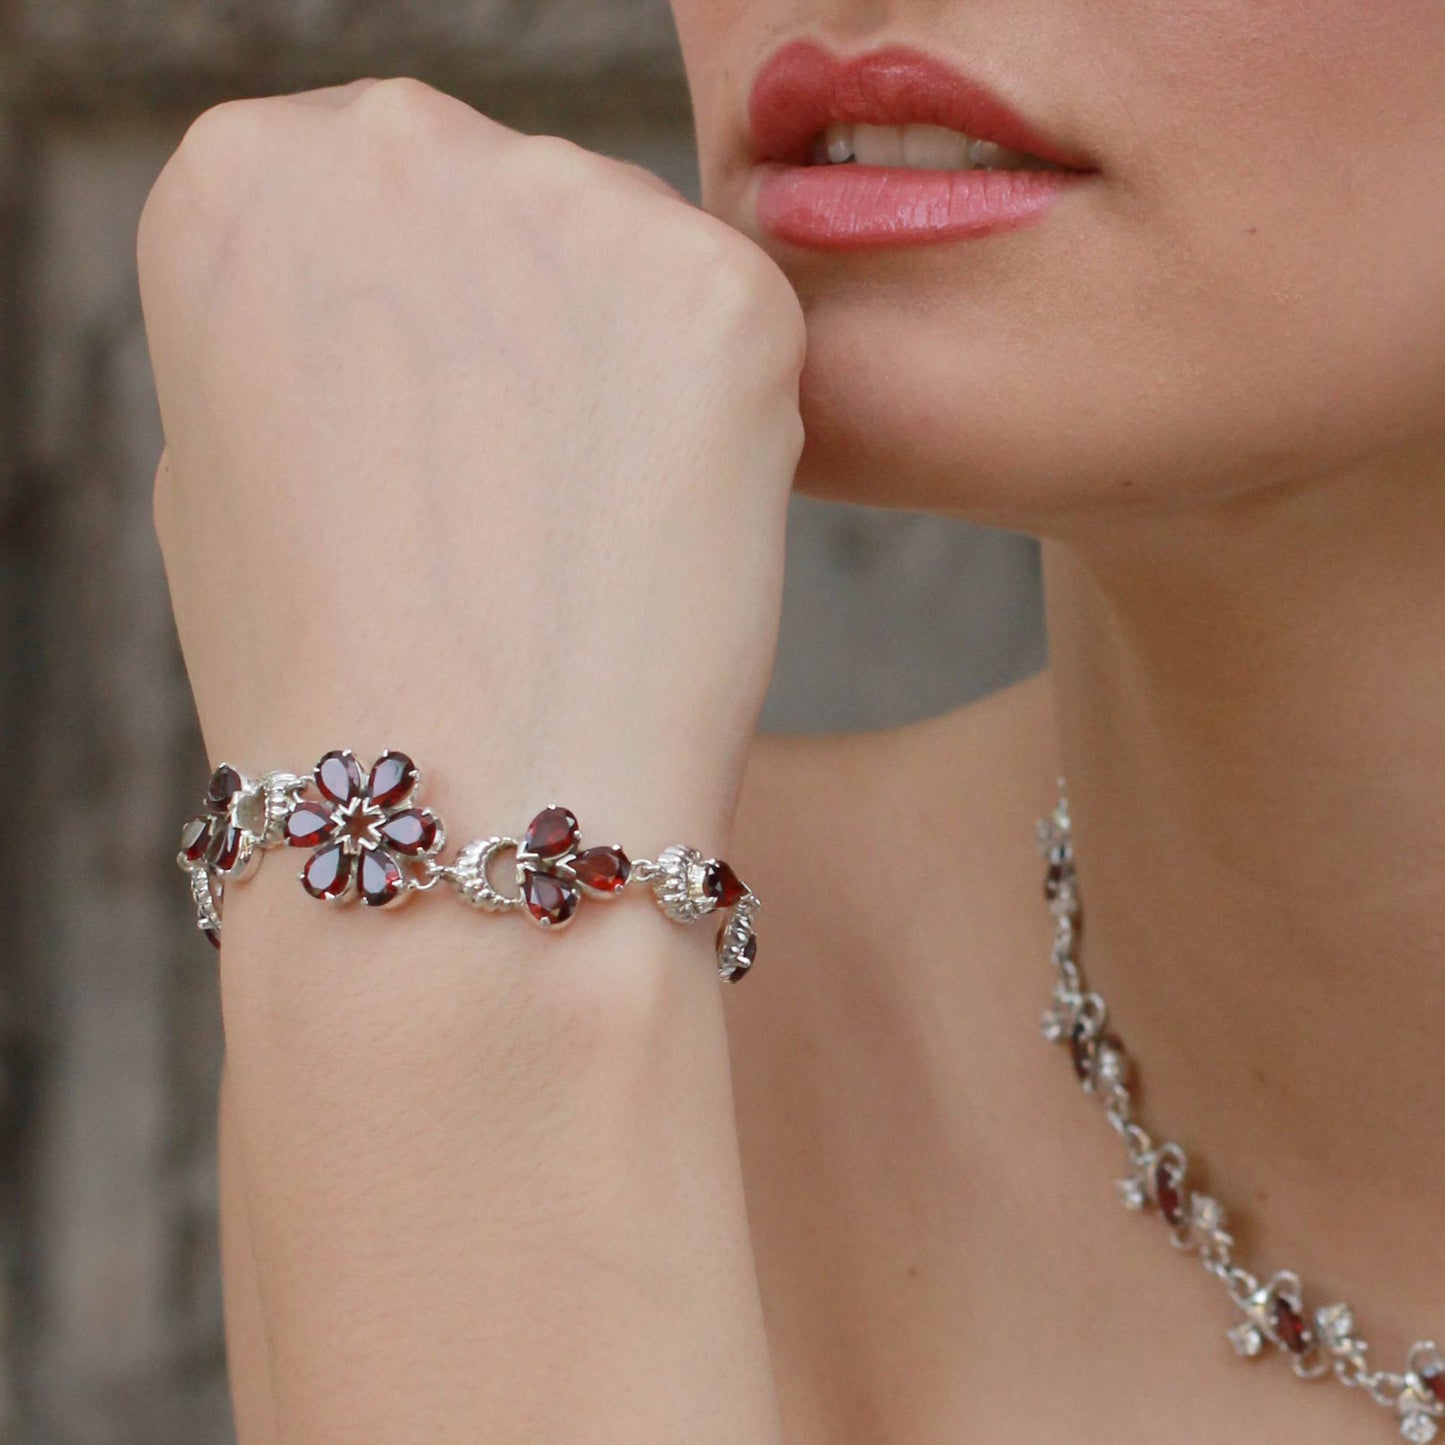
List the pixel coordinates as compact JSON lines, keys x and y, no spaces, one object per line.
{"x":553,"y":874}
{"x":367,"y":838}
{"x":219,"y":839}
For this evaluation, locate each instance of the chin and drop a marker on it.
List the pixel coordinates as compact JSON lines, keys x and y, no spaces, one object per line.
{"x":1039,"y":416}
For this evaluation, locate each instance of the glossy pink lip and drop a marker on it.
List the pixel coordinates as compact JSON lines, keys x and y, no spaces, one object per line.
{"x":803,"y":89}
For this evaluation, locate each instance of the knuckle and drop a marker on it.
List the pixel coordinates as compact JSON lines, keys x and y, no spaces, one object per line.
{"x":749,"y":293}
{"x":554,"y":161}
{"x":227,"y":135}
{"x":405,"y":109}
{"x":218,"y":157}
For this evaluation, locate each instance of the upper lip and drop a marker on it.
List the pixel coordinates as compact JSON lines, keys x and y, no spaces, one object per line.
{"x":802,"y":89}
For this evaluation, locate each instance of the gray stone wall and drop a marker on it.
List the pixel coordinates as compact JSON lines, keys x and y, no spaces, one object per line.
{"x":110,"y":1324}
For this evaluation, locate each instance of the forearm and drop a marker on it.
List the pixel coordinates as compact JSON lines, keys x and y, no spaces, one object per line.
{"x":490,"y":1176}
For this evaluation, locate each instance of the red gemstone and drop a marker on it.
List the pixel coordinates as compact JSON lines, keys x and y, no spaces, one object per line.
{"x":392,"y":780}
{"x":338,"y":775}
{"x":743,"y":959}
{"x":603,"y":870}
{"x":550,"y":900}
{"x":196,"y":839}
{"x":1432,"y":1376}
{"x":1057,"y":871}
{"x":412,"y":833}
{"x":552,"y":833}
{"x":226,"y":782}
{"x":327,"y":872}
{"x":225,"y":849}
{"x":309,"y":824}
{"x":214,"y":934}
{"x":721,"y":884}
{"x":380,"y":879}
{"x":1168,"y":1191}
{"x":1289,"y":1325}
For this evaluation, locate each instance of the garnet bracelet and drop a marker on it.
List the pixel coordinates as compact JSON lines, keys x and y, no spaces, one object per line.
{"x":367,"y":839}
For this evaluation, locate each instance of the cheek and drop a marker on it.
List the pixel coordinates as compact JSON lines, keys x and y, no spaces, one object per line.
{"x":1256,"y":289}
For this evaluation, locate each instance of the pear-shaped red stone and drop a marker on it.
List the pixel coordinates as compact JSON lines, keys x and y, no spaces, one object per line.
{"x":196,"y":839}
{"x":309,"y":824}
{"x":721,"y":884}
{"x":604,"y":870}
{"x":213,"y":934}
{"x":411,"y":833}
{"x":1289,"y":1325}
{"x":744,"y":958}
{"x":225,"y":783}
{"x":380,"y":878}
{"x":338,"y":775}
{"x":327,"y":872}
{"x":552,"y":833}
{"x":549,"y":899}
{"x":225,"y":849}
{"x":1168,"y":1192}
{"x":392,"y":780}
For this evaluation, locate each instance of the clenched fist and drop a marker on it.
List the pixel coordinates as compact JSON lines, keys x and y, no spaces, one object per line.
{"x":477,"y":444}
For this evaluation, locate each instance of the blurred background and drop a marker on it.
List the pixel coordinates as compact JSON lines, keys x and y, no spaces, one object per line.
{"x":110,"y":1042}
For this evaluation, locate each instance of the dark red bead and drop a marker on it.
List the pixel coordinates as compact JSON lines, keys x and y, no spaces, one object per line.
{"x":1432,"y":1376}
{"x":309,"y":824}
{"x":1168,"y":1192}
{"x":1290,"y":1327}
{"x":392,"y":780}
{"x":327,"y":872}
{"x":1058,"y":860}
{"x":551,"y":834}
{"x":380,"y":878}
{"x":338,"y":775}
{"x":225,"y":849}
{"x":603,"y":870}
{"x":721,"y":884}
{"x":225,"y":783}
{"x":550,"y":900}
{"x":196,"y":839}
{"x":213,"y":934}
{"x":411,"y":833}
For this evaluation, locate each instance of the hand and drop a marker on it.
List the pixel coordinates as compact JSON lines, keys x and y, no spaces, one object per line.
{"x":477,"y":442}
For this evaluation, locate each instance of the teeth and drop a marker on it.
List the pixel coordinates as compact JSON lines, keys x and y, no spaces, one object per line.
{"x":917,"y":147}
{"x":878,"y":145}
{"x":932,"y":148}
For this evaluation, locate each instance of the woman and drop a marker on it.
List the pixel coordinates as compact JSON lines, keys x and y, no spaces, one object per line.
{"x":480,"y":445}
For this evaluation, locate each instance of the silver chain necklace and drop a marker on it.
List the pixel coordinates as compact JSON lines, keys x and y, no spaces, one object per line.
{"x":1321,"y":1345}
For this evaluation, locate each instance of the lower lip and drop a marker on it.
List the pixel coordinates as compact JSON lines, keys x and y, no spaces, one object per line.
{"x":854,"y":207}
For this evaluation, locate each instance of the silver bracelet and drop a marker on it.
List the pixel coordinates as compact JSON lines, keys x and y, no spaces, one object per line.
{"x":368,"y":840}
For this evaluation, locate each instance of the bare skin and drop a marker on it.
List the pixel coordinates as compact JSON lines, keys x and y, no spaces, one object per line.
{"x":1233,"y":444}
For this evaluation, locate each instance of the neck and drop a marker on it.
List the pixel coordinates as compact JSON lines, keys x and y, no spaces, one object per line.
{"x":1251,"y":706}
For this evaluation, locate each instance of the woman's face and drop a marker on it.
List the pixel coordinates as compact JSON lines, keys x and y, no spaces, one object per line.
{"x":1250,"y":290}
